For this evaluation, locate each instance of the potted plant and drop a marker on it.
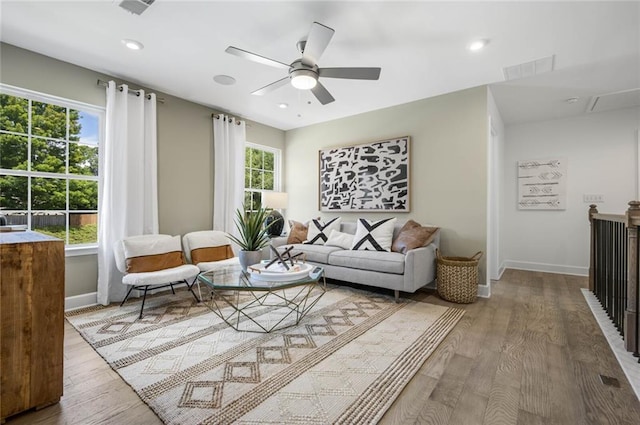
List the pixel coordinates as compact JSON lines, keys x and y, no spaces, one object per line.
{"x":253,"y":235}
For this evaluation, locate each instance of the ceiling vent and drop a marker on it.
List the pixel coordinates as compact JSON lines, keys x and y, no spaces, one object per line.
{"x":136,"y":6}
{"x":615,"y":100}
{"x":529,"y":69}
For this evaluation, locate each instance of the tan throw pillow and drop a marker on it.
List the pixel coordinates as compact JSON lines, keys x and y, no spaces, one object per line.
{"x":152,"y":263}
{"x":413,"y":235}
{"x":297,"y":232}
{"x":211,"y":253}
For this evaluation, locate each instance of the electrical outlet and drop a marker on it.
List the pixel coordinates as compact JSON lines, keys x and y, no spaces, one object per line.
{"x":593,"y":199}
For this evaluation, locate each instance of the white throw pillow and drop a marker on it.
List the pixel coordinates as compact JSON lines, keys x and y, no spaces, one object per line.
{"x":374,"y":235}
{"x":319,"y":231}
{"x":341,"y":239}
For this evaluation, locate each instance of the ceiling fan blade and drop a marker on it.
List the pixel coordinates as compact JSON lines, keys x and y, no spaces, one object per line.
{"x":271,"y":87}
{"x":350,"y":73}
{"x":256,"y":58}
{"x":316,"y":43}
{"x":322,"y":94}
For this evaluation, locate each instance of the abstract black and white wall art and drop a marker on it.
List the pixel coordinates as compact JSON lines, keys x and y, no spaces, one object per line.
{"x":372,"y":177}
{"x":542,"y":184}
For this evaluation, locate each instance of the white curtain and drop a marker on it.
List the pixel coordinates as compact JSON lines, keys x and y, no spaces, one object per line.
{"x":229,"y":137}
{"x":128,"y":193}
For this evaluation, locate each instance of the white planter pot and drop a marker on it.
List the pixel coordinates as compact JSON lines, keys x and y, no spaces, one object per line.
{"x":249,"y":258}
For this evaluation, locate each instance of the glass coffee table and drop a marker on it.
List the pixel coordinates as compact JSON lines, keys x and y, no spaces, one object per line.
{"x":259,"y":305}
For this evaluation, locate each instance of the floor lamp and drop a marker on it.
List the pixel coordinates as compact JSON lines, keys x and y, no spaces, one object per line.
{"x":275,"y":201}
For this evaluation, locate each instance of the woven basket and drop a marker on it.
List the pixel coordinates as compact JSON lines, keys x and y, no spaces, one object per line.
{"x":458,"y":278}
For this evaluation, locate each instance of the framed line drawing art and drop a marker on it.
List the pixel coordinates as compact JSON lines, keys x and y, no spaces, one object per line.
{"x":367,"y":177}
{"x":542,"y":184}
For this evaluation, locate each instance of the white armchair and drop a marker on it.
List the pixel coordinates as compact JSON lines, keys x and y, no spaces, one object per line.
{"x":209,"y":249}
{"x":153,"y":261}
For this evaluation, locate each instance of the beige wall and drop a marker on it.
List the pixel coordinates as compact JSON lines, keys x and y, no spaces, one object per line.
{"x":185,"y":156}
{"x":448,"y":164}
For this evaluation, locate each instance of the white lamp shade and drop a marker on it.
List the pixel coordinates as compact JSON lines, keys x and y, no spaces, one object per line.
{"x":275,"y":200}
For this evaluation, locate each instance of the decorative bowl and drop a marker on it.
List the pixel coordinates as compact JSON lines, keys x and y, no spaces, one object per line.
{"x":277,"y":273}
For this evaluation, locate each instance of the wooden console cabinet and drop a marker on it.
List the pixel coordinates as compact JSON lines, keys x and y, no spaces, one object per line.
{"x":31,"y":321}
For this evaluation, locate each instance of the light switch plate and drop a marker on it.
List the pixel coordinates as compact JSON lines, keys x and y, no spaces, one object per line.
{"x":593,"y":199}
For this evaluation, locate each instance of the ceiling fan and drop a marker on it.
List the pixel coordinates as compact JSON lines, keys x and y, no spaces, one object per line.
{"x":304,"y":72}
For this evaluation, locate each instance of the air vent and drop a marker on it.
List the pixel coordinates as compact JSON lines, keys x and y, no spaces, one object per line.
{"x":136,"y":6}
{"x":608,"y":380}
{"x":529,"y":69}
{"x":615,"y":100}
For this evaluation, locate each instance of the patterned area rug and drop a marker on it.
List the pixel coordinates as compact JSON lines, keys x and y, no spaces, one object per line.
{"x":345,"y":362}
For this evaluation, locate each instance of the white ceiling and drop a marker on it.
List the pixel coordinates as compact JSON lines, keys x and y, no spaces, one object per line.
{"x":420,"y":46}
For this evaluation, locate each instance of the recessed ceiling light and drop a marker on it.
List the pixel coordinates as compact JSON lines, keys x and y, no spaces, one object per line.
{"x":478,"y":44}
{"x":572,"y":100}
{"x":225,"y":80}
{"x":283,"y":105}
{"x":132,"y":44}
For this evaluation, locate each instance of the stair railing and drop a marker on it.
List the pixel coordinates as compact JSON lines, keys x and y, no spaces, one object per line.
{"x":613,"y":269}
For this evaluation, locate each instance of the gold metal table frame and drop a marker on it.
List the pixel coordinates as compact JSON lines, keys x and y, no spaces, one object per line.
{"x":251,"y":305}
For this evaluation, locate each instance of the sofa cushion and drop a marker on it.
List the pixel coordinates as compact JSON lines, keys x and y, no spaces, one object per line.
{"x":374,"y":235}
{"x":413,"y":235}
{"x":319,"y":231}
{"x":377,"y":261}
{"x":313,"y":253}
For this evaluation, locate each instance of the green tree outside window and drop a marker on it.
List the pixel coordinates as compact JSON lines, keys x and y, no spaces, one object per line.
{"x":49,"y":167}
{"x":260,"y":175}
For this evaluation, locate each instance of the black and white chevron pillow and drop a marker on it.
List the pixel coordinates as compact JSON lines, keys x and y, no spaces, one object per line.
{"x":374,"y":235}
{"x":319,"y":231}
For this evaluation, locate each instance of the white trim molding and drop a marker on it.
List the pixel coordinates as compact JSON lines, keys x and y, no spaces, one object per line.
{"x":484,"y":291}
{"x":547,"y":268}
{"x":80,"y":301}
{"x":501,"y":270}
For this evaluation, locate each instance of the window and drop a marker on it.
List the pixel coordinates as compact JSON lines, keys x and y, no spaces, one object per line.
{"x":261,"y":172}
{"x":49,"y":164}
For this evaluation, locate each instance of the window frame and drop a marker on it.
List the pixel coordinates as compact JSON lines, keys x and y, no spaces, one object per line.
{"x":100,"y":112}
{"x":277,"y":169}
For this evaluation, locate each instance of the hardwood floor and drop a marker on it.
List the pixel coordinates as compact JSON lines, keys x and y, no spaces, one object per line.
{"x":531,"y":354}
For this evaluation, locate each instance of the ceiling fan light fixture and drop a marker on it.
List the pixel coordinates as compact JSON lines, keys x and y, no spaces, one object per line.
{"x":303,"y":79}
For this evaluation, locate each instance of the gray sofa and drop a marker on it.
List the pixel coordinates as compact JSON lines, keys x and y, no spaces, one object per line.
{"x":391,"y":270}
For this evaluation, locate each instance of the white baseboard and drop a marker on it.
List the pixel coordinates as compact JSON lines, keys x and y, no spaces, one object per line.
{"x":548,"y":268}
{"x":90,"y":299}
{"x":484,"y":291}
{"x":80,"y":301}
{"x":501,"y":270}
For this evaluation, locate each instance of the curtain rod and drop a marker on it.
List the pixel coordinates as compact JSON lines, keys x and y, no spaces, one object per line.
{"x":217,"y":116}
{"x":131,"y":91}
